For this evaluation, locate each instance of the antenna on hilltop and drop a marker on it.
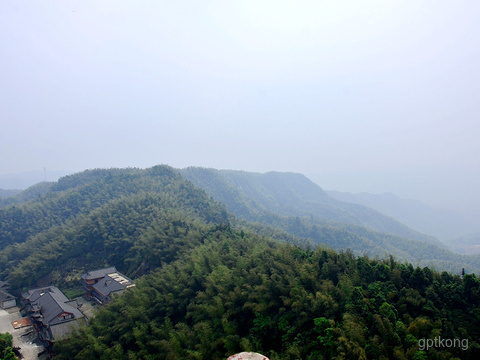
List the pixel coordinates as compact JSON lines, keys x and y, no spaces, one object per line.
{"x":44,"y":173}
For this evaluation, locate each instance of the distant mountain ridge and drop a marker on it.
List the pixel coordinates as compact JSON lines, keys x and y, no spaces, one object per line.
{"x":290,"y":194}
{"x":298,"y":206}
{"x":467,"y":244}
{"x":6,"y":193}
{"x":24,"y":180}
{"x":99,"y":217}
{"x":36,"y":232}
{"x":19,"y":196}
{"x":443,"y":224}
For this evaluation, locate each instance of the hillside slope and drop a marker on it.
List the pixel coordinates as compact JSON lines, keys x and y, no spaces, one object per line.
{"x":79,"y":194}
{"x":112,"y":217}
{"x":300,"y":207}
{"x":137,"y":220}
{"x":6,"y":193}
{"x":209,"y":285}
{"x":237,"y":292}
{"x":102,"y":217}
{"x":443,"y":224}
{"x":248,"y":194}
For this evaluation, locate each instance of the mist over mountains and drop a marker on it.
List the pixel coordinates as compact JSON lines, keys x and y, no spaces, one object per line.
{"x":21,"y":181}
{"x":288,"y":202}
{"x":443,"y":224}
{"x":289,"y":194}
{"x":360,"y":98}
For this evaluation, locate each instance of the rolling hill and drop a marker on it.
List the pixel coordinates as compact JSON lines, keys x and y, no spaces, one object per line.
{"x":112,"y":216}
{"x":295,"y":204}
{"x":444,"y":225}
{"x":210,"y":283}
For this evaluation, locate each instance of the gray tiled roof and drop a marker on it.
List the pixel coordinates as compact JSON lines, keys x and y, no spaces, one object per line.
{"x":34,"y":294}
{"x":5,"y":296}
{"x":52,"y":306}
{"x":51,"y":302}
{"x":99,"y":273}
{"x":112,"y":283}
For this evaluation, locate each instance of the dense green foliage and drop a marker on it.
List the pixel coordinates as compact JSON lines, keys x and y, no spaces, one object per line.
{"x":237,"y":292}
{"x":5,"y":194}
{"x":295,"y":204}
{"x":250,"y":194}
{"x":54,"y":234}
{"x":79,"y":194}
{"x":104,"y":217}
{"x":209,"y":284}
{"x":6,"y":350}
{"x":363,"y":241}
{"x":13,"y":197}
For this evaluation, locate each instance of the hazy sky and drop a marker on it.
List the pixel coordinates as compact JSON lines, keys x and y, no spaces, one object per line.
{"x":376,"y":96}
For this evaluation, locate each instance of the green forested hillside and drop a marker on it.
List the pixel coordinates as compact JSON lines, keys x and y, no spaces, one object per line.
{"x":126,"y":232}
{"x":113,"y":216}
{"x":237,"y":292}
{"x":19,"y":196}
{"x":79,"y":194}
{"x":6,"y":193}
{"x":134,"y":219}
{"x":295,"y":204}
{"x":374,"y":244}
{"x":250,"y":194}
{"x":100,"y":217}
{"x":210,"y":284}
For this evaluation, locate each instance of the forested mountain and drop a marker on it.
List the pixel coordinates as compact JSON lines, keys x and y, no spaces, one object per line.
{"x":102,"y":217}
{"x":468,"y":244}
{"x":250,"y":195}
{"x":443,"y":224}
{"x":237,"y":292}
{"x":209,"y":284}
{"x":81,"y":193}
{"x":52,"y":223}
{"x":7,"y":193}
{"x":19,"y":196}
{"x":295,"y":204}
{"x":111,"y":216}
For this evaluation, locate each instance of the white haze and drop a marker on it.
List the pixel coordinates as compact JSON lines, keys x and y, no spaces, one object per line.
{"x":376,"y":96}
